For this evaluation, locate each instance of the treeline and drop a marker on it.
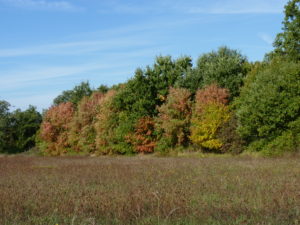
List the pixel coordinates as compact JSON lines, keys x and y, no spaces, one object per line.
{"x":18,"y":128}
{"x":222,"y":104}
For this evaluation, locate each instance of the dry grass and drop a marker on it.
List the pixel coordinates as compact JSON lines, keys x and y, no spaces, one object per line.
{"x":147,"y":190}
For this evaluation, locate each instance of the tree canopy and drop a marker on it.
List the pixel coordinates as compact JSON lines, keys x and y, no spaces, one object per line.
{"x":75,"y":95}
{"x":225,"y":67}
{"x":287,"y":43}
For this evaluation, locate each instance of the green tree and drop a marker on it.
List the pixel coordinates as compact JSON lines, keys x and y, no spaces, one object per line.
{"x":270,"y":102}
{"x":192,"y":80}
{"x":4,"y":126}
{"x":225,"y":67}
{"x":287,"y":43}
{"x":75,"y":95}
{"x":24,"y":126}
{"x":149,"y":87}
{"x":103,"y":89}
{"x":18,"y":128}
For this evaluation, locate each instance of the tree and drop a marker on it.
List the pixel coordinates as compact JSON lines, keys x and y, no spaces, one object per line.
{"x":270,"y":102}
{"x":226,"y":68}
{"x":209,"y":115}
{"x":287,"y":43}
{"x":5,"y":137}
{"x":107,"y":121}
{"x":174,"y":119}
{"x":18,"y":128}
{"x":24,"y":126}
{"x":82,"y":132}
{"x":75,"y":95}
{"x":143,"y":139}
{"x":55,"y":128}
{"x":103,"y":89}
{"x":147,"y":90}
{"x":149,"y":87}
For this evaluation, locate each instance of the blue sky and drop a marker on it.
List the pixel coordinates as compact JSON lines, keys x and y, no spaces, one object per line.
{"x":47,"y":46}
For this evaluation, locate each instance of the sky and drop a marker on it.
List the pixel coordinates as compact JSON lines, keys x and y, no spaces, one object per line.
{"x":48,"y":46}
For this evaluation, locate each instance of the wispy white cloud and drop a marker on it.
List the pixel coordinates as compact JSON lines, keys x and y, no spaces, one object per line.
{"x":79,"y":47}
{"x":219,"y":6}
{"x":240,"y":7}
{"x":266,"y":38}
{"x":130,"y":7}
{"x":139,"y":35}
{"x":42,"y":5}
{"x":15,"y":79}
{"x":114,"y":63}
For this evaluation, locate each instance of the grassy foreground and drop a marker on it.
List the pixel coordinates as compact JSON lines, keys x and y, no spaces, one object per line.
{"x":148,"y":190}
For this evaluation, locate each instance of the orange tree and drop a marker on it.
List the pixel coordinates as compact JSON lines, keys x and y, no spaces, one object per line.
{"x":143,"y":139}
{"x":55,"y":127}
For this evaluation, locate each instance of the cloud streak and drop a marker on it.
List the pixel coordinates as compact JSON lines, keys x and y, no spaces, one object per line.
{"x":266,"y":38}
{"x":31,"y":75}
{"x":240,"y":7}
{"x":43,"y":5}
{"x":200,"y":7}
{"x":71,"y":48}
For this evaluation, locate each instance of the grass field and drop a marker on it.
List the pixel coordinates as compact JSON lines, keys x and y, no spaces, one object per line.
{"x":149,"y":190}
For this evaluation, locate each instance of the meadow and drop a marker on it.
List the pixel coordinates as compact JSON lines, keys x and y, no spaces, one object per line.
{"x":149,"y":190}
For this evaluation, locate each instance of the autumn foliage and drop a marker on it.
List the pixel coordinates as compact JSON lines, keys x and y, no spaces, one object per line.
{"x":174,"y":118}
{"x":143,"y":140}
{"x":223,"y":104}
{"x":210,"y":113}
{"x":105,"y":124}
{"x":82,"y":133}
{"x":55,"y":128}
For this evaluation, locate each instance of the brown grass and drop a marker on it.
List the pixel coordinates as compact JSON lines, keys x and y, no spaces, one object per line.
{"x":147,"y":190}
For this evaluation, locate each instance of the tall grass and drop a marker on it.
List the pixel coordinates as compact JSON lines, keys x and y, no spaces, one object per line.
{"x":143,"y":190}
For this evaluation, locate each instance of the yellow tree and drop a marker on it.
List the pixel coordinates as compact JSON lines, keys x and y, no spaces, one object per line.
{"x":209,"y":114}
